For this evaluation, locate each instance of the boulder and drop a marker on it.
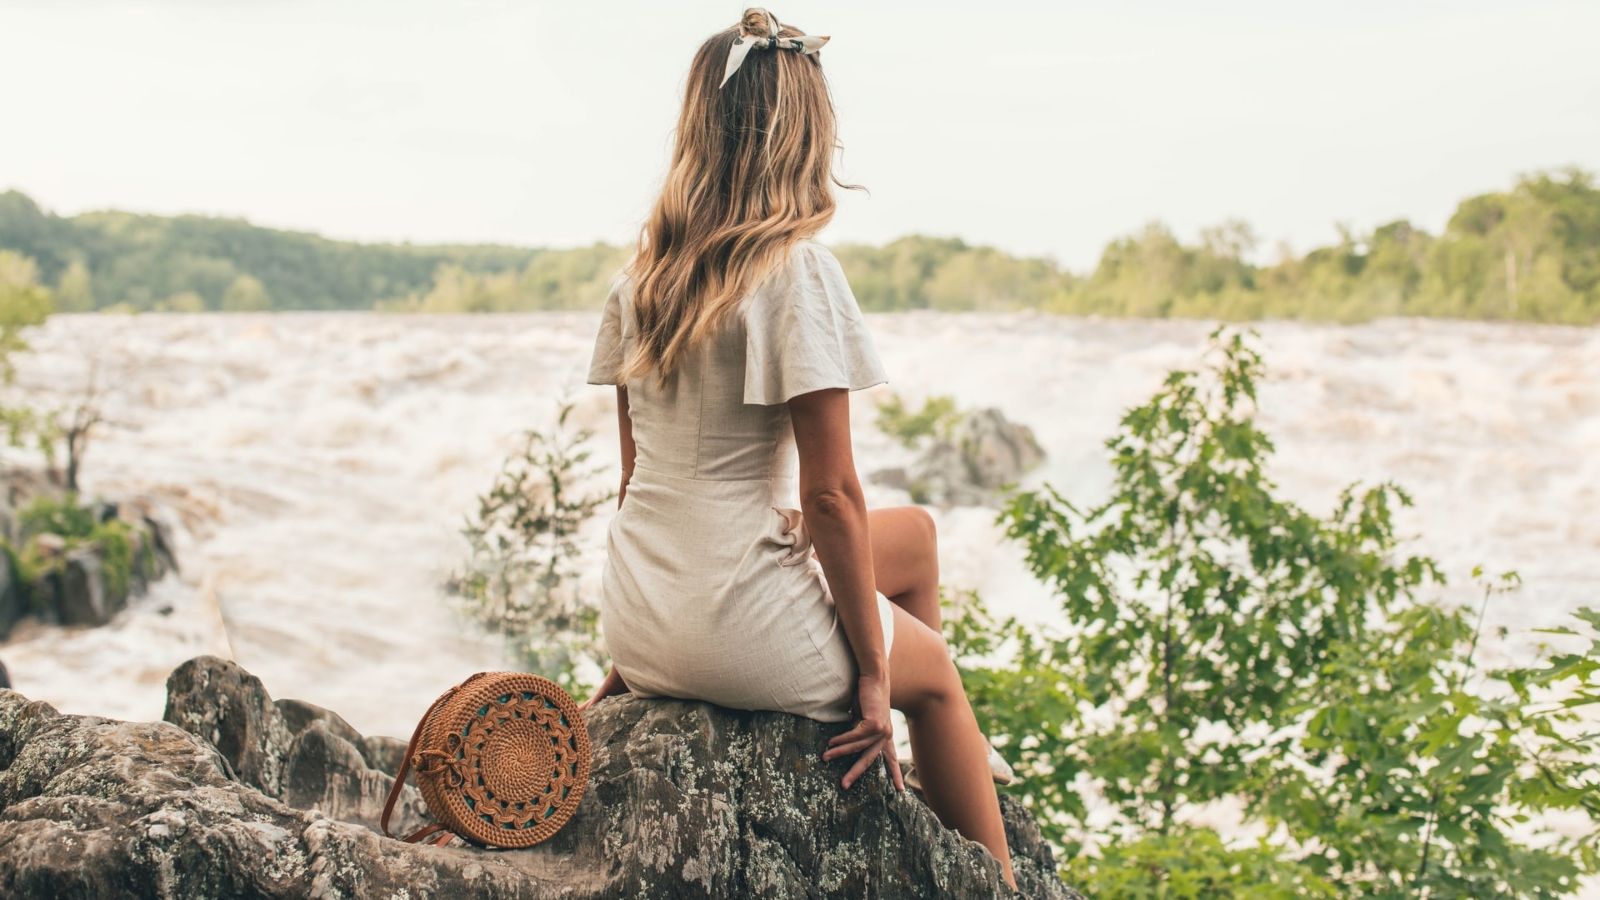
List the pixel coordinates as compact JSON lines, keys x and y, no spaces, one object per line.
{"x":985,"y":453}
{"x":331,"y":767}
{"x":13,"y":597}
{"x":685,"y":799}
{"x":327,"y":773}
{"x":997,"y":451}
{"x":219,"y":702}
{"x":162,"y":548}
{"x":298,"y":715}
{"x":81,"y":593}
{"x":74,"y":587}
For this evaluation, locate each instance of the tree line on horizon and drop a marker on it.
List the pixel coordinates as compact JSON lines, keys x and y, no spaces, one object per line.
{"x":1529,"y":253}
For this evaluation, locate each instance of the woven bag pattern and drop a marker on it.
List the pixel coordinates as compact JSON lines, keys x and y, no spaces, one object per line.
{"x":502,"y":759}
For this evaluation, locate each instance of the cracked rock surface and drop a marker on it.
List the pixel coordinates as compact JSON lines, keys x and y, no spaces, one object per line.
{"x":237,"y":795}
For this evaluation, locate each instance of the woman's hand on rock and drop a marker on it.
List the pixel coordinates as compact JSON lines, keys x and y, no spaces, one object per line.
{"x":613,"y":684}
{"x":873,"y":734}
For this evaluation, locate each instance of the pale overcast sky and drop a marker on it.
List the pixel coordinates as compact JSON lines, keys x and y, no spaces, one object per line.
{"x":1039,"y":127}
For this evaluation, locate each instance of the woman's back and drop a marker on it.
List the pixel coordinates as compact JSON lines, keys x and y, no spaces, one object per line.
{"x":710,"y":588}
{"x":721,"y":416}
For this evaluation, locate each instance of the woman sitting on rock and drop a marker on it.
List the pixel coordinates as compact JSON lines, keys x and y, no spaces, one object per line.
{"x":743,"y":567}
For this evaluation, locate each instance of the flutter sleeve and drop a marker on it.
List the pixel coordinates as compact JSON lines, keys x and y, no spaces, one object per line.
{"x":808,"y":333}
{"x":605,"y":365}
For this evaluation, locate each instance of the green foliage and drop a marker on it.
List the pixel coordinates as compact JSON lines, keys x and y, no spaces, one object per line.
{"x":1413,"y":777}
{"x":114,"y":541}
{"x":937,"y":418}
{"x":60,"y":516}
{"x":1192,"y":863}
{"x":246,"y":294}
{"x":77,"y":525}
{"x":74,"y":291}
{"x":23,"y":304}
{"x":1526,"y":253}
{"x":141,"y":260}
{"x":182,"y":302}
{"x":1205,"y":601}
{"x":946,"y":274}
{"x":33,"y":562}
{"x":1228,"y":647}
{"x":520,"y":578}
{"x":567,"y":279}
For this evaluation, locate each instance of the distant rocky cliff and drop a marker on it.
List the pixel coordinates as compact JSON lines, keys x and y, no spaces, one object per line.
{"x":236,"y":795}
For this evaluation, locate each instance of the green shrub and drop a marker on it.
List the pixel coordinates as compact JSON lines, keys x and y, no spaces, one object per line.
{"x":63,"y":516}
{"x":519,"y":579}
{"x":76,"y":525}
{"x":1226,"y":645}
{"x":1193,"y":864}
{"x":937,"y":417}
{"x":114,"y":541}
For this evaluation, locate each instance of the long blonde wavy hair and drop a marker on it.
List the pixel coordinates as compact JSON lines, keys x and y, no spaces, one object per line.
{"x":751,"y":176}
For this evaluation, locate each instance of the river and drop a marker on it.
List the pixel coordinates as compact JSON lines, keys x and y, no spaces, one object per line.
{"x":321,"y":466}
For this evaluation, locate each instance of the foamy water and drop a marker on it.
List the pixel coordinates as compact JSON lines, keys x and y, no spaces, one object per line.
{"x":322,"y":465}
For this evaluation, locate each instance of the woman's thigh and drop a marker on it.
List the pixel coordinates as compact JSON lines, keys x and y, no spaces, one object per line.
{"x":921,"y":671}
{"x":904,"y":549}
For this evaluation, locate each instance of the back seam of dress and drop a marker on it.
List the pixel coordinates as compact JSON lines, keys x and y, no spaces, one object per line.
{"x":700,"y":424}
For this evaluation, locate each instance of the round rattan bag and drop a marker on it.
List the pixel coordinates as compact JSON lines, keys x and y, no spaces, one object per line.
{"x":502,"y":760}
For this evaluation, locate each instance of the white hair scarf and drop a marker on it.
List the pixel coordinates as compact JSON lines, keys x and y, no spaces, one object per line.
{"x":805,"y":43}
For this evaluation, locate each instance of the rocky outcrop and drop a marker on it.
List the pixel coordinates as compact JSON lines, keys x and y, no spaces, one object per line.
{"x":985,"y":453}
{"x":290,"y":750}
{"x":81,"y":580}
{"x":246,"y":797}
{"x":13,"y":598}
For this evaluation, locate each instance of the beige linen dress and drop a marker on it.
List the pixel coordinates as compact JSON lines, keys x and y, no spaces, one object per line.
{"x":711,"y":590}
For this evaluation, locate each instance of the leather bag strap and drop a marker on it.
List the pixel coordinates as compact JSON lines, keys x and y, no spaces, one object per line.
{"x":405,"y":768}
{"x":425,"y":832}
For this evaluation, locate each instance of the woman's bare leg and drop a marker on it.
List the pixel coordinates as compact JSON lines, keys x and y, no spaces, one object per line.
{"x":952,"y":755}
{"x":905,"y":560}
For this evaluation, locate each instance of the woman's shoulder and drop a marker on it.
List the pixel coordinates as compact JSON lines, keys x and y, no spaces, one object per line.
{"x":810,"y":253}
{"x":810,"y":274}
{"x":810,"y":285}
{"x":809,"y":333}
{"x":619,"y":294}
{"x":622,"y":279}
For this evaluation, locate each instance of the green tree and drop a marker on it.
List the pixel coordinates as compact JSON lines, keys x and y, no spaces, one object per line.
{"x":183,"y":302}
{"x":246,"y":294}
{"x":74,"y":292}
{"x":1225,"y":646}
{"x":1198,"y":578}
{"x":23,"y":303}
{"x":1529,"y":252}
{"x":1417,"y":775}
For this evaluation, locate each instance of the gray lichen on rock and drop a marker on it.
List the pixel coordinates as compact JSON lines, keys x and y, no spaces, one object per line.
{"x":245,"y":797}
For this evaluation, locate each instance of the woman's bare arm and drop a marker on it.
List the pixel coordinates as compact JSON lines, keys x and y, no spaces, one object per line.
{"x":835,"y":512}
{"x":625,"y":436}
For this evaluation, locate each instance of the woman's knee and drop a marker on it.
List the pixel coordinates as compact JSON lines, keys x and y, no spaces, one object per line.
{"x":926,"y":530}
{"x":922,"y":673}
{"x":921,"y":537}
{"x":904,"y":550}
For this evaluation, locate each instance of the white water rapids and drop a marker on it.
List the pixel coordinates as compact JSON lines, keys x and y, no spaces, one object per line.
{"x":323,"y":463}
